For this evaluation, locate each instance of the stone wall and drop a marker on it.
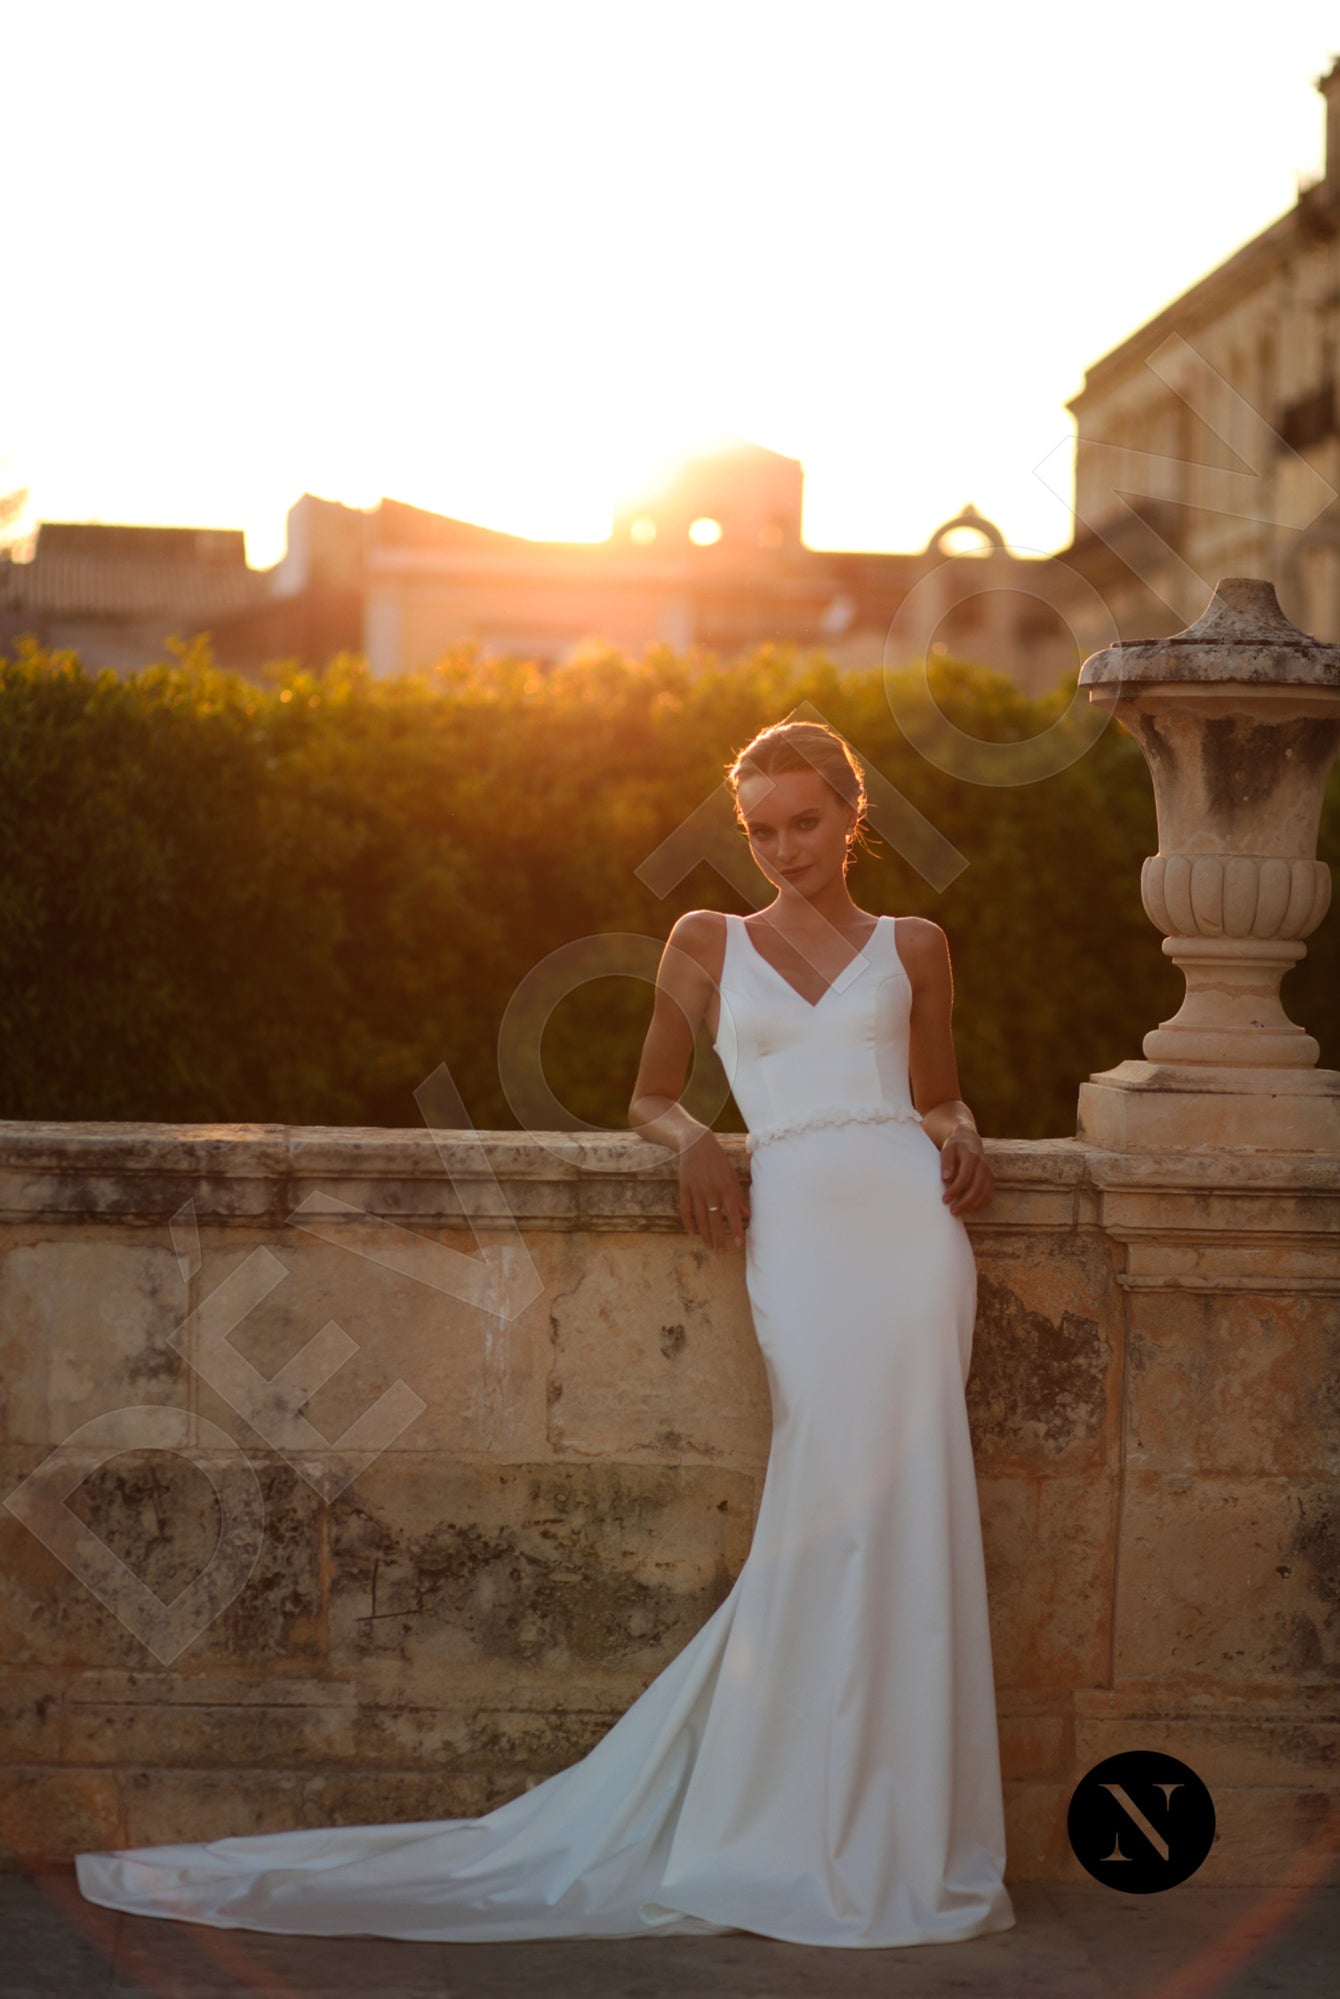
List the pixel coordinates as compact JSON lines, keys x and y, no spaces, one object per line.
{"x":302,"y":1528}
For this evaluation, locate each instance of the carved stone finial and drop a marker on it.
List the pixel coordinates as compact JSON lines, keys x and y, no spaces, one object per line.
{"x":1239,"y":720}
{"x":1241,"y":635}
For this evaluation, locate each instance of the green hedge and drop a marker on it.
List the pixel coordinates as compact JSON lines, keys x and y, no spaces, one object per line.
{"x":292,"y":900}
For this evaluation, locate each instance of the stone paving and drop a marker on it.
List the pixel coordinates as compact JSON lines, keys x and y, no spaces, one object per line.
{"x":1071,"y":1941}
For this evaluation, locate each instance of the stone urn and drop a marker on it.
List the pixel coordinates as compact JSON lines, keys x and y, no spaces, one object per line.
{"x":1239,"y":720}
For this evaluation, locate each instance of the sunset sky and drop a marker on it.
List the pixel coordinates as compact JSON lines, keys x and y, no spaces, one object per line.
{"x":498,"y":259}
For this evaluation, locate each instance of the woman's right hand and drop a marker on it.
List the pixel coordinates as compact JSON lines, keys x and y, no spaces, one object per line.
{"x":712,"y":1203}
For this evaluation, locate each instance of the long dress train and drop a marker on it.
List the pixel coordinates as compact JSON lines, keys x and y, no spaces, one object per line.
{"x":820,"y":1762}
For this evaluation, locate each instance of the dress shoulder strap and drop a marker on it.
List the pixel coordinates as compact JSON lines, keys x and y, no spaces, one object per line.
{"x":728,"y":948}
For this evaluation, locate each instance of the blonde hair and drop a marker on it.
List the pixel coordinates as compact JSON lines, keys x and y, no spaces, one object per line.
{"x":792,"y":746}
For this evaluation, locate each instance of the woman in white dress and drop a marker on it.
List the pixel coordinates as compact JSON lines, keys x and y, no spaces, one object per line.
{"x":819,"y":1763}
{"x":854,"y":1794}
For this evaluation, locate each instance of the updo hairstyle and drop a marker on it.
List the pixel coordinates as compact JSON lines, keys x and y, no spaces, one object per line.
{"x":791,"y":746}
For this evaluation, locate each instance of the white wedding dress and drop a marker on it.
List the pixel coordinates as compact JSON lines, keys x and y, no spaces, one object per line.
{"x":820,"y":1762}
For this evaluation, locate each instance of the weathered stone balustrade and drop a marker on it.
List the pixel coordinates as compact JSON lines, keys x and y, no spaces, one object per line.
{"x":475,"y":1597}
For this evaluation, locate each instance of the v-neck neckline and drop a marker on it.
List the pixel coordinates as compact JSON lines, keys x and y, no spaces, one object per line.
{"x":841,"y":978}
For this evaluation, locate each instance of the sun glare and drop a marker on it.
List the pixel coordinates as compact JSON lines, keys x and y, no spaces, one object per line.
{"x":535,"y":357}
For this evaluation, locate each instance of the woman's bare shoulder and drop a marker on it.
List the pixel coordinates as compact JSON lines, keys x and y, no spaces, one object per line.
{"x":922,"y":942}
{"x":701,"y":934}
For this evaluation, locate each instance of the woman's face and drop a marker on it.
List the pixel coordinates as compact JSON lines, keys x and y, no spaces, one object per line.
{"x":797,"y":828}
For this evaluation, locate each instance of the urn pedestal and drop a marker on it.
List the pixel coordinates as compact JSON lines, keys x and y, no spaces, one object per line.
{"x":1238,"y":717}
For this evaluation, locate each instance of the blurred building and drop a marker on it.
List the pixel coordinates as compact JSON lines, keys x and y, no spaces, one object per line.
{"x":114,"y":593}
{"x":1208,"y":442}
{"x":710,"y":557}
{"x":713,"y":558}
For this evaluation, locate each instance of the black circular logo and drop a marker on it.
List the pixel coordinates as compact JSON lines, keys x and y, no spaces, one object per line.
{"x":1141,"y":1821}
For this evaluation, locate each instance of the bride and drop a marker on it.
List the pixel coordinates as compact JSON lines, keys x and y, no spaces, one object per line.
{"x":801,"y":840}
{"x":820,"y":1762}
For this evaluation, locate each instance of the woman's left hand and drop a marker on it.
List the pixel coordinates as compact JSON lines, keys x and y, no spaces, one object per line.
{"x":969,"y":1181}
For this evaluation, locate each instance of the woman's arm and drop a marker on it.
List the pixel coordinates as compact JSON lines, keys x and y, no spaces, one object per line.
{"x":711,"y":1199}
{"x":933,"y":1066}
{"x":682,"y":991}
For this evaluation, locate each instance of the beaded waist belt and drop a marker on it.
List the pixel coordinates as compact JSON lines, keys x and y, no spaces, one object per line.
{"x":873,"y":1114}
